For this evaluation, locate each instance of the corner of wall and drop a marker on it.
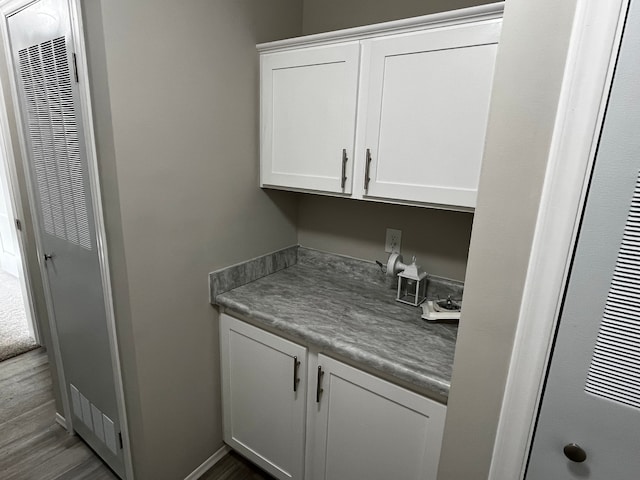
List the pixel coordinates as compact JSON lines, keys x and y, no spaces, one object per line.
{"x":530,"y":68}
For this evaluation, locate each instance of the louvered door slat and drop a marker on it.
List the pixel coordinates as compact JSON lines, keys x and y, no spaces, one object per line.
{"x":614,"y":372}
{"x":55,"y":143}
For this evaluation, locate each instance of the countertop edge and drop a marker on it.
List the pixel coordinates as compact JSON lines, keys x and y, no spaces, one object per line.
{"x":428,"y":386}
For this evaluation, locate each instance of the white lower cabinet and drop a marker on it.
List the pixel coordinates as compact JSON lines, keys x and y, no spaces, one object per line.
{"x":369,"y":428}
{"x":263,"y":397}
{"x":357,"y":425}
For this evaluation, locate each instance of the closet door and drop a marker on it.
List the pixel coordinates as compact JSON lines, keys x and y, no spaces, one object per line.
{"x":427,"y":106}
{"x":52,"y":125}
{"x":308,"y":115}
{"x":589,"y":417}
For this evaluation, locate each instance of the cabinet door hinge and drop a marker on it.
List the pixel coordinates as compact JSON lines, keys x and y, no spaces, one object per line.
{"x":75,"y":68}
{"x":18,"y":224}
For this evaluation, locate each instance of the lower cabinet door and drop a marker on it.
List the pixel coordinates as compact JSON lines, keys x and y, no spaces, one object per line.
{"x":369,"y":428}
{"x":264,"y":393}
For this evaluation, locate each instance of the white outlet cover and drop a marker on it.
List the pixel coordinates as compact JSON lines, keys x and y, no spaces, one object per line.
{"x":393,"y":241}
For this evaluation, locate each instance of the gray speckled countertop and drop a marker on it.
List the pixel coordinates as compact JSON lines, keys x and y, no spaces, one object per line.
{"x":347,"y":307}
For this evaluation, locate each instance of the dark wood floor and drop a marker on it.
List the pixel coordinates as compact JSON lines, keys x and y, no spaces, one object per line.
{"x":235,"y":467}
{"x":32,"y":444}
{"x":34,"y":447}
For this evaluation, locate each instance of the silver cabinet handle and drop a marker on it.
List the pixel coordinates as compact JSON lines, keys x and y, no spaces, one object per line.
{"x":344,"y":167}
{"x":367,"y":179}
{"x":319,"y":384}
{"x":296,"y":380}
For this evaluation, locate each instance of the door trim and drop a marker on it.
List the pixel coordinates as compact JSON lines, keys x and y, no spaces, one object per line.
{"x":8,"y":167}
{"x":595,"y":40}
{"x":7,"y":8}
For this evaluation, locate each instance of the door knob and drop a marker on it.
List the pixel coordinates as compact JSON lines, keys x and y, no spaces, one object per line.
{"x":48,"y":256}
{"x":575,"y":453}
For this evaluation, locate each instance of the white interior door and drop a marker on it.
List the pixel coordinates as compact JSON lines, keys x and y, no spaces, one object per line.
{"x":589,"y":421}
{"x":44,"y":62}
{"x":9,"y":253}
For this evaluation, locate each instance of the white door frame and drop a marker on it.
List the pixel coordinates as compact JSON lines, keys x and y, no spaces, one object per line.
{"x":593,"y":48}
{"x":7,"y":8}
{"x":8,"y":169}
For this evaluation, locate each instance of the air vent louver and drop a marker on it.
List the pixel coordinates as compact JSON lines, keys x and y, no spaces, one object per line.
{"x":54,"y":141}
{"x":614,"y":372}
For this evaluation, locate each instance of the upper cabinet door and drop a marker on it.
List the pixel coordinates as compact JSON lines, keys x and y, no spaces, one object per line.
{"x":427,"y":101}
{"x":308,"y":109}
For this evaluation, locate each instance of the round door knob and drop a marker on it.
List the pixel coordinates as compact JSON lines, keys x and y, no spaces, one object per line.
{"x":575,"y":453}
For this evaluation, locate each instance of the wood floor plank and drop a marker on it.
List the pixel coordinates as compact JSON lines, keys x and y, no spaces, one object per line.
{"x":32,"y":444}
{"x":91,"y":469}
{"x":56,"y":457}
{"x":34,"y":447}
{"x":235,"y":467}
{"x":25,"y":386}
{"x":23,"y":426}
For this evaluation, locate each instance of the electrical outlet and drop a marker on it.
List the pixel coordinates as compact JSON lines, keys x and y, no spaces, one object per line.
{"x":392,"y":241}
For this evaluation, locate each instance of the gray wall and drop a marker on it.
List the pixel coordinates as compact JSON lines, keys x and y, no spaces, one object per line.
{"x":326,"y":15}
{"x":440,"y":239}
{"x":176,"y":111}
{"x":529,"y":70}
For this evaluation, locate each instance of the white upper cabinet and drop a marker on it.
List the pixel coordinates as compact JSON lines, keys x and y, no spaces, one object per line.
{"x":427,"y":102}
{"x":308,"y":114}
{"x":395,"y":112}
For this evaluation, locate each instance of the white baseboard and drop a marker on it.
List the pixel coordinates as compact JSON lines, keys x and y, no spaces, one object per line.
{"x":60,"y":420}
{"x":208,"y":463}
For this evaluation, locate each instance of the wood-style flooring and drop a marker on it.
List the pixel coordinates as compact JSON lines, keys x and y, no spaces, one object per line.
{"x":34,"y":447}
{"x":235,"y":467}
{"x":32,"y":444}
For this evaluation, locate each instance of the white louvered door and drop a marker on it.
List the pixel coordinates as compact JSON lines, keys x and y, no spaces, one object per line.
{"x":591,"y":404}
{"x":50,"y":109}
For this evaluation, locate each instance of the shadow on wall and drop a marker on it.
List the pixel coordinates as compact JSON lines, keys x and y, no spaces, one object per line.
{"x":286,"y":202}
{"x":439,"y":238}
